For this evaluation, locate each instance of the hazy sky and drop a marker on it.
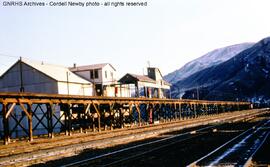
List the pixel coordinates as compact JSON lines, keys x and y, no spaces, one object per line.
{"x":168,"y":33}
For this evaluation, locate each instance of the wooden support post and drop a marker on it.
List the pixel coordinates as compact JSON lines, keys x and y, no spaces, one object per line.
{"x":69,"y":119}
{"x":6,"y":124}
{"x":48,"y":107}
{"x":150,"y":113}
{"x":183,"y":111}
{"x":50,"y":119}
{"x":86,"y":114}
{"x":111,"y":116}
{"x":172,"y":116}
{"x":165,"y":113}
{"x":121,"y":117}
{"x":204,"y":109}
{"x":99,"y":125}
{"x":98,"y":112}
{"x":180,"y":111}
{"x":195,"y":109}
{"x":105,"y":121}
{"x":187,"y":111}
{"x":80,"y":115}
{"x":93,"y":124}
{"x":28,"y":112}
{"x":174,"y":110}
{"x":131,"y":114}
{"x":157,"y":112}
{"x":65,"y":110}
{"x":139,"y":113}
{"x":111,"y":119}
{"x":153,"y":113}
{"x":169,"y":112}
{"x":30,"y":122}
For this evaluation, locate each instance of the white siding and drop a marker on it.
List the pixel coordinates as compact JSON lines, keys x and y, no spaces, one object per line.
{"x":124,"y":92}
{"x":148,"y":84}
{"x":37,"y":82}
{"x":86,"y":75}
{"x":74,"y":89}
{"x":109,"y":91}
{"x":33,"y":81}
{"x":158,"y":75}
{"x":110,"y":78}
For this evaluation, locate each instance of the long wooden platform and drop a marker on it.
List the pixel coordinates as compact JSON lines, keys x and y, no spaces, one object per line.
{"x":96,"y":113}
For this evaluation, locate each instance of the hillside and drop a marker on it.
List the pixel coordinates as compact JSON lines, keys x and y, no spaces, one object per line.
{"x":212,"y":58}
{"x":243,"y":77}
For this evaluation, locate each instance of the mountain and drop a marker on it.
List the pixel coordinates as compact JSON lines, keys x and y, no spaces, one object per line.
{"x":246,"y":76}
{"x":212,"y":58}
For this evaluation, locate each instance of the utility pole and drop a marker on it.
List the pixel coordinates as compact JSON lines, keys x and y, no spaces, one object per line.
{"x":67,"y":84}
{"x":21,"y":75}
{"x":148,"y":62}
{"x":179,"y":92}
{"x":94,"y":84}
{"x":198,"y":96}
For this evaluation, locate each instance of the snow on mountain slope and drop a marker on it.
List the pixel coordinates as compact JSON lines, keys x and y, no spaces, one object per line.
{"x":245,"y":76}
{"x":212,"y":58}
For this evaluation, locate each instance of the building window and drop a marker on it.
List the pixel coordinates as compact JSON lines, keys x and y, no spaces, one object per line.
{"x":96,"y":73}
{"x":112,"y":75}
{"x":105,"y":74}
{"x":92,"y":74}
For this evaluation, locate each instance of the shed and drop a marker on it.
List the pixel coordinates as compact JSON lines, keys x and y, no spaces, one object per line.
{"x":40,"y":77}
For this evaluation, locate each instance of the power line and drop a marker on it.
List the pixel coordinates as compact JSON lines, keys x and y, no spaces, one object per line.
{"x":1,"y":64}
{"x":11,"y":56}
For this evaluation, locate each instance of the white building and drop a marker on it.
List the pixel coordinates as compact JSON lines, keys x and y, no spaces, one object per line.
{"x":40,"y":77}
{"x":103,"y":76}
{"x":150,"y":85}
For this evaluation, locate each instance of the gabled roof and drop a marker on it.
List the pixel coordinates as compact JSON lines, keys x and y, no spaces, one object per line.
{"x":56,"y":72}
{"x":90,"y":67}
{"x":133,"y":77}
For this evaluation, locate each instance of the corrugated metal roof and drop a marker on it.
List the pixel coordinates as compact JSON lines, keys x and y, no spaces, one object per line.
{"x":90,"y":67}
{"x":59,"y":73}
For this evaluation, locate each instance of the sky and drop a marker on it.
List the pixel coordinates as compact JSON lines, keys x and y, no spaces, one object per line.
{"x":167,"y":34}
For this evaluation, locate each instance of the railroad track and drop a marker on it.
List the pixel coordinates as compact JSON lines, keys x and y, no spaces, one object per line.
{"x":173,"y":139}
{"x":111,"y":159}
{"x":237,"y":151}
{"x":132,"y":153}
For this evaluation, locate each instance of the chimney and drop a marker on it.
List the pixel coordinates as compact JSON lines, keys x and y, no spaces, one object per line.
{"x":74,"y":65}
